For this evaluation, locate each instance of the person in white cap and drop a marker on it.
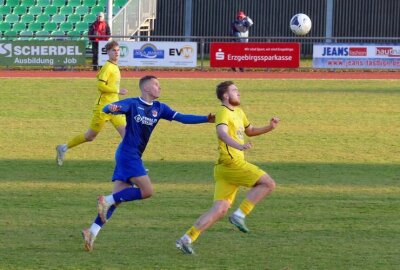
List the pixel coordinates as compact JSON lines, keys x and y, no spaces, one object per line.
{"x":98,"y":30}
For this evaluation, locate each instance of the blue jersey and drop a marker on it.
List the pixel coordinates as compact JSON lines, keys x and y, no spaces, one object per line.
{"x":141,"y":119}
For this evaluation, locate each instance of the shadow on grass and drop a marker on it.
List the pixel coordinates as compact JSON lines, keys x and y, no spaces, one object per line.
{"x":193,"y":171}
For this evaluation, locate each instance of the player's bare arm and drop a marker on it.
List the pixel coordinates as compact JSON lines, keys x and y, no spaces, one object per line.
{"x":222,"y":132}
{"x":255,"y":131}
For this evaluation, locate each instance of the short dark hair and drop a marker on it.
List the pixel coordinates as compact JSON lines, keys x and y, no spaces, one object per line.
{"x":145,"y":79}
{"x":222,"y":88}
{"x":111,"y":45}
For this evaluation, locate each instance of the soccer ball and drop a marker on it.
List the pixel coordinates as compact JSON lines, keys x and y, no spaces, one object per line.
{"x":300,"y":24}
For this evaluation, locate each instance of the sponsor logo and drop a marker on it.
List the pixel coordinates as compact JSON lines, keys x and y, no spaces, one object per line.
{"x":154,"y":113}
{"x":186,"y":51}
{"x":387,"y":51}
{"x":145,"y":120}
{"x":148,"y":51}
{"x":220,"y":55}
{"x":335,"y":51}
{"x":123,"y":51}
{"x":6,"y":49}
{"x":358,"y":51}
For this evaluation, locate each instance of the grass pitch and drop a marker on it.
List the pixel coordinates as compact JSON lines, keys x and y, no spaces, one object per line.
{"x":335,"y":158}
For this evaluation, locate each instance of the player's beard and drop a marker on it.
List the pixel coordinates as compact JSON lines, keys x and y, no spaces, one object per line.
{"x":234,"y":102}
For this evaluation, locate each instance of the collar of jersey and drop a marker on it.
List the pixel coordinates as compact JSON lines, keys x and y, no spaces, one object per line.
{"x":145,"y":102}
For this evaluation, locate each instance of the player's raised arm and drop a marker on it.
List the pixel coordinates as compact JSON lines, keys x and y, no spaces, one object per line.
{"x":194,"y":119}
{"x":254,"y":131}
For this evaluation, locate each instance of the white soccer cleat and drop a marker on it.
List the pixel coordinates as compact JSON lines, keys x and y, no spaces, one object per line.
{"x":88,"y":239}
{"x":184,"y":246}
{"x":60,"y":149}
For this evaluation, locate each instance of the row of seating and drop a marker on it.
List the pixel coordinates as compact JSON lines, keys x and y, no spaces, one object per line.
{"x":60,"y":3}
{"x":49,"y":26}
{"x":50,"y":10}
{"x":44,"y":35}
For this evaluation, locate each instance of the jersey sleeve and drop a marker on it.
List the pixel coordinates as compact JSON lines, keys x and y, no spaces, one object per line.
{"x":102,"y":82}
{"x":166,"y":112}
{"x":221,"y":117}
{"x":125,"y":106}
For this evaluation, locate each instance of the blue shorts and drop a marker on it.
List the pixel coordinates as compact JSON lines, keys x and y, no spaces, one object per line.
{"x":127,"y":167}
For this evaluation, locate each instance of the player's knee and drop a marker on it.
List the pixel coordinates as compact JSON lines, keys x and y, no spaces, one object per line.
{"x":268,"y":183}
{"x":147,"y":193}
{"x":222,"y":209}
{"x":90,"y":137}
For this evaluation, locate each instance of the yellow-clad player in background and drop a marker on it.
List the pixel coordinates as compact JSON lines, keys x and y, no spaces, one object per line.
{"x":232,"y":170}
{"x":108,"y":81}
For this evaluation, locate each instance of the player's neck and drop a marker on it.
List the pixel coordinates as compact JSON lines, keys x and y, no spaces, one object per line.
{"x":228,"y":105}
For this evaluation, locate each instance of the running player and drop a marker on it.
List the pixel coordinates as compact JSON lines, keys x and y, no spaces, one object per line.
{"x":130,"y":178}
{"x":231,"y":170}
{"x":108,"y":81}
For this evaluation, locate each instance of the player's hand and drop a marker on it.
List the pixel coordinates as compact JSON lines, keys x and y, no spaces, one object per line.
{"x":211,"y":118}
{"x":274,"y":122}
{"x":114,"y":108}
{"x":247,"y":146}
{"x":123,"y":91}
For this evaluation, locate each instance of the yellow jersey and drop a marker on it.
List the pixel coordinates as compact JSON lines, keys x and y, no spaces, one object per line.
{"x":236,"y":121}
{"x":108,"y":81}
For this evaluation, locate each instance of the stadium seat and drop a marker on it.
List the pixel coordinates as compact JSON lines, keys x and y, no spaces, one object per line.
{"x":27,"y":3}
{"x":35,"y":26}
{"x":27,"y":18}
{"x":10,"y":35}
{"x":74,"y":35}
{"x":90,"y":18}
{"x":102,"y":3}
{"x":115,"y":10}
{"x":43,"y":3}
{"x":96,"y":9}
{"x":19,"y":10}
{"x":12,"y":18}
{"x":26,"y":35}
{"x":74,"y":18}
{"x":89,"y":3}
{"x":12,"y":3}
{"x":58,"y":3}
{"x":120,"y":3}
{"x":5,"y":26}
{"x":50,"y":26}
{"x":81,"y":26}
{"x":58,"y":18}
{"x":66,"y":26}
{"x":4,"y":10}
{"x":60,"y":34}
{"x":41,"y":35}
{"x":82,"y":10}
{"x":74,"y":3}
{"x":50,"y":10}
{"x":66,"y":10}
{"x":35,"y":10}
{"x":43,"y":18}
{"x":19,"y":26}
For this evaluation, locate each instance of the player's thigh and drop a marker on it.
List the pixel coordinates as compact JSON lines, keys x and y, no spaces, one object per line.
{"x":224,"y":191}
{"x":98,"y":120}
{"x":240,"y":173}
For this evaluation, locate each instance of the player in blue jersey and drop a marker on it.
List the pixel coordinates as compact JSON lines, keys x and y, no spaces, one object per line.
{"x":130,"y":178}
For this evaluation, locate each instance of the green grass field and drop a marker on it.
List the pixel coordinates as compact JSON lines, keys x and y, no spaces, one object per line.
{"x":335,"y":158}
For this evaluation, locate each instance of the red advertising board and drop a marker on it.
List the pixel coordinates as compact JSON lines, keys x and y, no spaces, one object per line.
{"x":255,"y":55}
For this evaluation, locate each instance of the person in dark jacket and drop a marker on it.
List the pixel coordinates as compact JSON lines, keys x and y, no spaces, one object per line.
{"x":240,"y":29}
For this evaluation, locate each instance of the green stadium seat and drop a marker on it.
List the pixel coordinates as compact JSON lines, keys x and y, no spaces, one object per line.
{"x":5,"y":26}
{"x":19,"y":26}
{"x":12,"y":3}
{"x":43,"y":3}
{"x":66,"y":26}
{"x":90,"y":18}
{"x":96,"y":9}
{"x":10,"y":35}
{"x":27,"y":3}
{"x":19,"y":10}
{"x":41,"y":35}
{"x":81,"y":26}
{"x":58,"y":18}
{"x":27,"y":18}
{"x":115,"y":10}
{"x":102,"y":3}
{"x":120,"y":3}
{"x":35,"y":10}
{"x":43,"y":18}
{"x":74,"y":3}
{"x":60,"y":34}
{"x":4,"y":10}
{"x":50,"y":26}
{"x":58,"y":3}
{"x":50,"y":10}
{"x":74,"y":18}
{"x":82,"y":10}
{"x":74,"y":35}
{"x":26,"y":35}
{"x":12,"y":18}
{"x":89,"y":3}
{"x":66,"y":10}
{"x":35,"y":26}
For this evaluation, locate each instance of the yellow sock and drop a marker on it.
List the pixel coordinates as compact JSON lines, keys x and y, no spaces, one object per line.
{"x":246,"y":206}
{"x":76,"y":141}
{"x":193,"y":233}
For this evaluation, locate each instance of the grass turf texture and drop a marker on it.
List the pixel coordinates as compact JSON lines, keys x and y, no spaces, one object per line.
{"x":335,"y":157}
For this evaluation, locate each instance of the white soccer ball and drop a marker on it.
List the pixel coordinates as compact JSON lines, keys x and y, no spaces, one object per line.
{"x":300,"y":24}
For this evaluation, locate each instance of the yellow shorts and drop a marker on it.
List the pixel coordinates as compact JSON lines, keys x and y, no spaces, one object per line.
{"x":100,"y":118}
{"x":229,"y":177}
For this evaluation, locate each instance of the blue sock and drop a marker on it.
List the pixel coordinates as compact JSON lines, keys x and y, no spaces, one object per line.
{"x":109,"y":214}
{"x":128,"y":194}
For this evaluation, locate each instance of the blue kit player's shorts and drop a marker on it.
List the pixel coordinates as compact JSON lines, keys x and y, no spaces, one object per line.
{"x":127,"y":167}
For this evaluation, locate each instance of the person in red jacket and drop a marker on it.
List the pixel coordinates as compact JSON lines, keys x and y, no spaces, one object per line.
{"x":99,"y":30}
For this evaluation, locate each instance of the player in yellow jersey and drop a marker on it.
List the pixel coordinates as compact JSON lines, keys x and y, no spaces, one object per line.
{"x":108,"y":81}
{"x":232,"y":170}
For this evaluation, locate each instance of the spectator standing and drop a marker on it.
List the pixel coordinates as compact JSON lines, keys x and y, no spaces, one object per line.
{"x":98,"y":31}
{"x":240,"y":29}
